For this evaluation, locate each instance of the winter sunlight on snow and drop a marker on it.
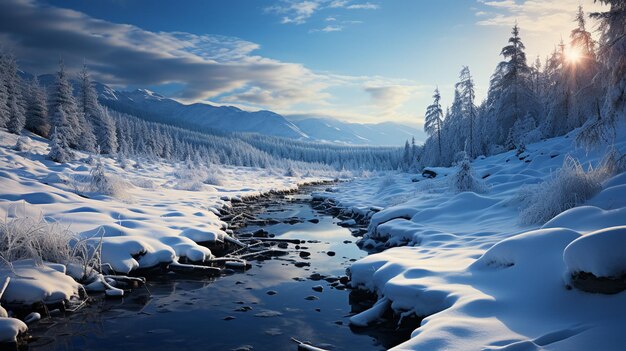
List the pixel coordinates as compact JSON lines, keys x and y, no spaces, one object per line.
{"x":313,"y":175}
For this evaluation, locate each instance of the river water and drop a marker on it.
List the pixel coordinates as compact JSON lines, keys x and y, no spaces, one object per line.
{"x":259,"y":309}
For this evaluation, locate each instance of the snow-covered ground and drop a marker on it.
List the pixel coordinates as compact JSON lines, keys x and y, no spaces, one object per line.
{"x":483,"y":277}
{"x":155,"y":215}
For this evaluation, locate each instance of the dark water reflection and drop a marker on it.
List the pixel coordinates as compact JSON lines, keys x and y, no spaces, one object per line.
{"x":182,"y":313}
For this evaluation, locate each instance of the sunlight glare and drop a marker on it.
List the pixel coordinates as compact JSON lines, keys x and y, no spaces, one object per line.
{"x":573,"y":55}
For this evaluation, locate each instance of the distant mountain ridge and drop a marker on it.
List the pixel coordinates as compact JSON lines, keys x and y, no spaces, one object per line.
{"x":154,"y":107}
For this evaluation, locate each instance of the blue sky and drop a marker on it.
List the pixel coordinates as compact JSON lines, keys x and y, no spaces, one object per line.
{"x":357,"y":60}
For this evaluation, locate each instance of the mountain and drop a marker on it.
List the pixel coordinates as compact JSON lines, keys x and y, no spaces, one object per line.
{"x":154,"y":107}
{"x":332,"y":130}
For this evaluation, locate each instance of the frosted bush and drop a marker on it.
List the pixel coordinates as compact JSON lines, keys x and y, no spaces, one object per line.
{"x":570,"y":186}
{"x":103,"y":183}
{"x":144,"y":183}
{"x":26,"y":237}
{"x":464,"y":180}
{"x":22,"y":144}
{"x":214,"y":177}
{"x":385,"y":183}
{"x":291,"y":172}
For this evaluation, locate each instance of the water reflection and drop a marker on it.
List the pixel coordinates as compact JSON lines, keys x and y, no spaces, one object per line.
{"x":175,"y":312}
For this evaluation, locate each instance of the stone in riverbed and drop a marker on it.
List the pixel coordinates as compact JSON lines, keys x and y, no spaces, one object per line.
{"x":271,"y":292}
{"x":331,"y":253}
{"x":304,"y":254}
{"x":311,"y":298}
{"x":318,"y":288}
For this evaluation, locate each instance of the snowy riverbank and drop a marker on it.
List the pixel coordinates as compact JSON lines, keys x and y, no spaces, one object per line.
{"x":474,"y":264}
{"x":154,"y":214}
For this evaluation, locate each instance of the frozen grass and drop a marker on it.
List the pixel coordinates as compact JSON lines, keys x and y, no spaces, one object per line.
{"x":26,"y":237}
{"x":570,"y":186}
{"x":214,"y":177}
{"x":386,"y":183}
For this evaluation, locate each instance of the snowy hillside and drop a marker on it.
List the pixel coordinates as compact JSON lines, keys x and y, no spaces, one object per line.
{"x":481,"y":268}
{"x":139,"y":226}
{"x":154,"y":107}
{"x":384,"y":134}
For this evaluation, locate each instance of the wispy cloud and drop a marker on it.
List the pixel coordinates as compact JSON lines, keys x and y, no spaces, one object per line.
{"x":365,"y":6}
{"x":301,"y":11}
{"x":220,"y":69}
{"x":328,"y":29}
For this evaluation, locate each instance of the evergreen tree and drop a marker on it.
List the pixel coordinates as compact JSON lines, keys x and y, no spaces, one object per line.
{"x":59,"y":150}
{"x":434,"y":119}
{"x":37,"y":109}
{"x":15,"y":118}
{"x":63,"y":110}
{"x":467,"y":95}
{"x":612,"y":56}
{"x":516,"y":98}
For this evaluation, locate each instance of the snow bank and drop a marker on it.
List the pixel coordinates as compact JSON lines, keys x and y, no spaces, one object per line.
{"x":602,"y":253}
{"x":483,"y":279}
{"x":10,"y":328}
{"x":32,"y":283}
{"x":141,"y":227}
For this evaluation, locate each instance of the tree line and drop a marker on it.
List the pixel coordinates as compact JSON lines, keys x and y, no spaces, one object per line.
{"x":581,"y":84}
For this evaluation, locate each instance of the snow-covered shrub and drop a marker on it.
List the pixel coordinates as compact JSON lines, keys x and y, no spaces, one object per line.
{"x":122,"y":161}
{"x":386,"y":182}
{"x":34,"y":238}
{"x":214,"y":177}
{"x":570,"y":186}
{"x":190,"y":177}
{"x":291,"y":172}
{"x":59,"y":150}
{"x":22,"y":144}
{"x":142,"y":182}
{"x":464,"y":180}
{"x":28,"y":237}
{"x":101,"y":182}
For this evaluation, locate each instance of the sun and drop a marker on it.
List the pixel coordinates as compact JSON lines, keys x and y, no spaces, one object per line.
{"x":573,"y":55}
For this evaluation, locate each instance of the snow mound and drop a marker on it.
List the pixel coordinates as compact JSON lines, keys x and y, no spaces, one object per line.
{"x":10,"y":328}
{"x":525,"y":247}
{"x":32,"y":283}
{"x":601,"y":253}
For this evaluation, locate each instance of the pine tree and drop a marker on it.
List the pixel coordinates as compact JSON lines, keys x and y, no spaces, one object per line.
{"x":37,"y":109}
{"x":612,"y":56}
{"x":515,"y":98}
{"x":467,"y":95}
{"x":434,"y":119}
{"x":59,"y":151}
{"x":16,"y":118}
{"x":4,"y":95}
{"x":63,"y":110}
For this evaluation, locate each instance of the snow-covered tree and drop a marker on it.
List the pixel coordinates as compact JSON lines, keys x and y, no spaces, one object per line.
{"x":612,"y":56}
{"x":15,"y":117}
{"x":467,"y":95}
{"x":434,"y":119}
{"x":63,"y":110}
{"x":97,"y":117}
{"x":59,"y":150}
{"x":37,"y":109}
{"x":515,"y":97}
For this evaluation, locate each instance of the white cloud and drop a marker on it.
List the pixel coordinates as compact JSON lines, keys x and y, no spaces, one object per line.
{"x":300,"y":11}
{"x":365,"y":6}
{"x":328,"y":29}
